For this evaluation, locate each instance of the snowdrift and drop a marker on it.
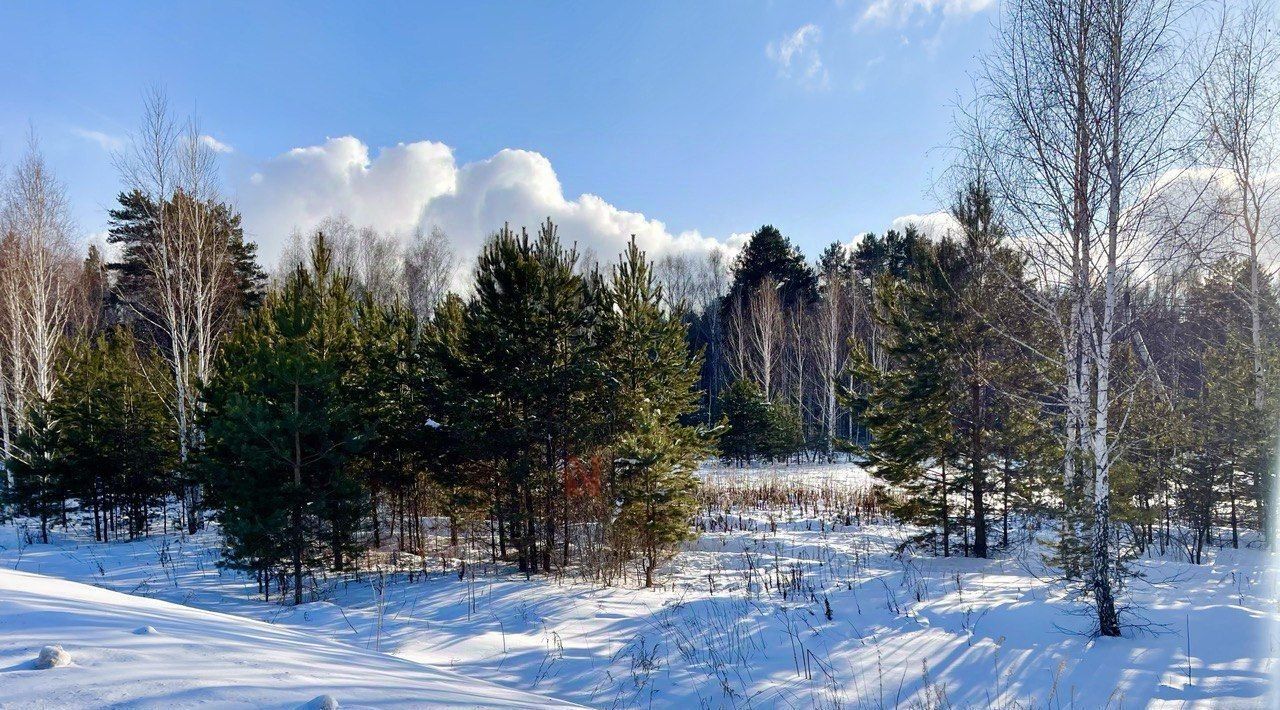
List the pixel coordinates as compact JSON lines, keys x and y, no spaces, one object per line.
{"x":192,"y":657}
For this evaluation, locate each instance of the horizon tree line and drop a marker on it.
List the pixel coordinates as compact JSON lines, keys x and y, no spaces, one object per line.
{"x":1109,"y":272}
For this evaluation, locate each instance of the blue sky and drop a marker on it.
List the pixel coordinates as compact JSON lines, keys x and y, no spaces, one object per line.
{"x":824,"y":118}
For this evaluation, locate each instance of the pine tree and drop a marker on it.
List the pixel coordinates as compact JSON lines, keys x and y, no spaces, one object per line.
{"x":391,"y":388}
{"x":755,"y":427}
{"x":896,"y":254}
{"x":456,"y":457}
{"x":532,"y":381}
{"x":907,"y":408}
{"x":769,"y":255}
{"x":656,"y":487}
{"x":134,"y":231}
{"x":94,"y":289}
{"x":38,"y":471}
{"x":115,"y":434}
{"x":279,"y":428}
{"x":655,"y":377}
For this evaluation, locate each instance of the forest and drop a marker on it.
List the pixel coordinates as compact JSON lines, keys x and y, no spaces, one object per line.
{"x":1088,"y":347}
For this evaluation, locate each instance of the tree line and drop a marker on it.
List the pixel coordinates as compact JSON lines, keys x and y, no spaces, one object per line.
{"x":1090,"y":342}
{"x":337,"y":408}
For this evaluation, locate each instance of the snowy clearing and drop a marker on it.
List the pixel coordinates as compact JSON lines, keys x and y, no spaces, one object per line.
{"x":137,"y":652}
{"x":792,"y":605}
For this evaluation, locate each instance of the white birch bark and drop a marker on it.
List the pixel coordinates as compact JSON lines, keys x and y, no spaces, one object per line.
{"x":1240,"y":105}
{"x":188,"y":261}
{"x":36,"y":284}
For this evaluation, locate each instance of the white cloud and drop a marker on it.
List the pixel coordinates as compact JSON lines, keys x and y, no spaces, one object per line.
{"x":931,"y":225}
{"x":797,"y":56}
{"x":104,"y":141}
{"x":899,"y":12}
{"x":419,"y":184}
{"x":298,"y":189}
{"x":110,"y":252}
{"x":215,"y":145}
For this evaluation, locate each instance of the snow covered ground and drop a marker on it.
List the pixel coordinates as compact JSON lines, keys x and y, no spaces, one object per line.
{"x":815,"y":477}
{"x":138,"y":652}
{"x":793,"y":598}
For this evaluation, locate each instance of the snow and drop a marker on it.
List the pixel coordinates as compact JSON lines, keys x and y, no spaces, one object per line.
{"x":203,"y":658}
{"x":741,"y":621}
{"x":52,"y":657}
{"x":815,"y":477}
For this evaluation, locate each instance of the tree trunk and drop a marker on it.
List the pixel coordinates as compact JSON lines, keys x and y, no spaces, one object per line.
{"x":1108,"y":621}
{"x":946,"y":531}
{"x":978,"y":472}
{"x":1004,"y":490}
{"x":297,"y":502}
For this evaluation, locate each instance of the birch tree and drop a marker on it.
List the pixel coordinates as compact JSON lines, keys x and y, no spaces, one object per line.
{"x":736,"y":336}
{"x":1035,"y":130}
{"x":766,"y":335}
{"x":1240,"y":103}
{"x":13,"y":360}
{"x":37,"y":278}
{"x":187,"y":259}
{"x":1079,"y":125}
{"x":832,"y":323}
{"x":429,"y":266}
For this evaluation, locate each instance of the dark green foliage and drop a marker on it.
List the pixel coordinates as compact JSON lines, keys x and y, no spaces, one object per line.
{"x":837,"y":262}
{"x":456,"y":457}
{"x":134,"y":229}
{"x":395,"y":387}
{"x":952,"y":375}
{"x":771,"y":256}
{"x":896,"y":254}
{"x":39,"y":472}
{"x":104,"y":441}
{"x":1227,"y":442}
{"x":532,"y":381}
{"x":655,"y":487}
{"x":279,"y":429}
{"x":553,"y":397}
{"x":654,"y":387}
{"x":906,"y":407}
{"x":756,"y":427}
{"x":117,"y":437}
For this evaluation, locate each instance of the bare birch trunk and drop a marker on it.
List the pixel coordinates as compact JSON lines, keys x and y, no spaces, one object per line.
{"x":188,"y":260}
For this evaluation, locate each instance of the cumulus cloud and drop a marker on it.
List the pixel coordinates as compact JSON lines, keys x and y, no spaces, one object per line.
{"x":215,"y":145}
{"x":931,"y":225}
{"x":420,"y":185}
{"x":899,"y":12}
{"x":797,"y":56}
{"x":103,"y":140}
{"x":298,"y":189}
